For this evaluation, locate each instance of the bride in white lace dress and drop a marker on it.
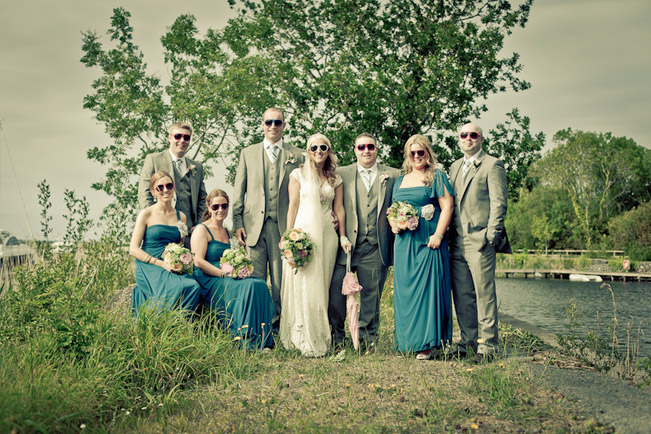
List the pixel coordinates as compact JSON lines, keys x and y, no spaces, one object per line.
{"x":314,"y":191}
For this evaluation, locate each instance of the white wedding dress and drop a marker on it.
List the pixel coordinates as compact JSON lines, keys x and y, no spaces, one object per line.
{"x":304,"y":294}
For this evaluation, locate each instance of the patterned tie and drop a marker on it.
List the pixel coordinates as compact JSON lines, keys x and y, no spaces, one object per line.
{"x":177,"y":164}
{"x":366,"y":177}
{"x":466,"y":167}
{"x":273,"y":153}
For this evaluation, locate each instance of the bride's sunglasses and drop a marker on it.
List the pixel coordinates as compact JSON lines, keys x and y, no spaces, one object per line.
{"x":420,"y":153}
{"x":216,"y":206}
{"x":161,"y":187}
{"x":322,"y":147}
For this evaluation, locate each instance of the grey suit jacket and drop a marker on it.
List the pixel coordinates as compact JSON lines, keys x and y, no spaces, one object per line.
{"x":385,"y":236}
{"x":163,"y":161}
{"x":249,"y":200}
{"x":480,"y":206}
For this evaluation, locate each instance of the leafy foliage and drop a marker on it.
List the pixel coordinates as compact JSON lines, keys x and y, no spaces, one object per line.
{"x":631,"y":231}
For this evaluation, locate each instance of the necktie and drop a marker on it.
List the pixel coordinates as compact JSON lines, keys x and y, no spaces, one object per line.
{"x":177,"y":164}
{"x":366,"y":177}
{"x":466,"y":167}
{"x":273,"y":153}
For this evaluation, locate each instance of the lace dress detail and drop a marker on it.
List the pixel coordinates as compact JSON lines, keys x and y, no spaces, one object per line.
{"x":304,"y":294}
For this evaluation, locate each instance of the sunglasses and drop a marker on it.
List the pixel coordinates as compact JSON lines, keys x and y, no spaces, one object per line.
{"x":274,"y":122}
{"x":369,"y":146}
{"x":420,"y":153}
{"x":472,"y":135}
{"x":169,"y":186}
{"x":322,"y":147}
{"x":186,"y":137}
{"x":216,"y":206}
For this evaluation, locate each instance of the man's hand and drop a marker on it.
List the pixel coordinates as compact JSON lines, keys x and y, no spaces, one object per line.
{"x":241,"y":235}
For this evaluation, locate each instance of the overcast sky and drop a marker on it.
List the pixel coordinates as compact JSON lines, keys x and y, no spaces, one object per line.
{"x":588,"y":62}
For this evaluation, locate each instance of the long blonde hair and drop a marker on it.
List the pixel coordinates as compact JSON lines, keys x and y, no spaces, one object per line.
{"x":331,"y":161}
{"x":423,"y":142}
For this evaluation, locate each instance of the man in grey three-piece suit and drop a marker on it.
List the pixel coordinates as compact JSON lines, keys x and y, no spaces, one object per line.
{"x":479,"y":181}
{"x":367,"y":195}
{"x":260,"y":200}
{"x":187,"y":173}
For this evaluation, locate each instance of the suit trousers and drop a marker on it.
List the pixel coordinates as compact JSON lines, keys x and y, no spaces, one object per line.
{"x":371,"y":274}
{"x":473,"y":290}
{"x":266,"y":251}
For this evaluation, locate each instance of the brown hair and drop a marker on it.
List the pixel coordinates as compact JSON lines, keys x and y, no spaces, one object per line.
{"x":423,"y":142}
{"x":331,"y":161}
{"x":213,"y":195}
{"x":156,"y":177}
{"x":369,"y":135}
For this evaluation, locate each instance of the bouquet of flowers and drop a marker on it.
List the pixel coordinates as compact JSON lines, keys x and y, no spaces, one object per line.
{"x":402,"y":215}
{"x":296,"y":247}
{"x":235,"y":262}
{"x":179,"y":258}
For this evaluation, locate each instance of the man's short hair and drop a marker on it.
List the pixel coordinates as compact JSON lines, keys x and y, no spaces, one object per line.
{"x":275,"y":109}
{"x":181,"y":125}
{"x":369,"y":135}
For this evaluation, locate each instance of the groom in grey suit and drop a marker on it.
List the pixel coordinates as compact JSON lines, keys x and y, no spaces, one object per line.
{"x":187,"y":173}
{"x":367,"y":195}
{"x":480,"y":185}
{"x":261,"y":199}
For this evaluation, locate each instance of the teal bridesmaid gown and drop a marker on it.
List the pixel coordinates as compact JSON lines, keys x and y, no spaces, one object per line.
{"x":245,"y":305}
{"x":156,"y":286}
{"x":422,"y":299}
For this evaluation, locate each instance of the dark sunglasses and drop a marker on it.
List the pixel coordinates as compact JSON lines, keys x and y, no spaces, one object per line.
{"x":420,"y":153}
{"x":169,"y":186}
{"x":186,"y":137}
{"x":216,"y":206}
{"x":274,"y":122}
{"x":322,"y":147}
{"x":473,"y":135}
{"x":369,"y":146}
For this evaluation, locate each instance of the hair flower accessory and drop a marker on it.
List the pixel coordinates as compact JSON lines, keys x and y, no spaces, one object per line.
{"x":291,"y":158}
{"x":182,"y":227}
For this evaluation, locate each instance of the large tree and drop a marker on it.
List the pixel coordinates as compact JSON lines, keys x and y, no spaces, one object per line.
{"x":602,"y":175}
{"x":393,"y":68}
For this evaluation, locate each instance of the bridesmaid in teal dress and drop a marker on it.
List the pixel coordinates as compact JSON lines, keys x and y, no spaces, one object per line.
{"x":157,"y":226}
{"x":421,"y":266}
{"x":245,"y":305}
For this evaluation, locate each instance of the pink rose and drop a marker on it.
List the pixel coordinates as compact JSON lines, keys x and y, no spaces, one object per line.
{"x":294,"y":236}
{"x":176,"y":267}
{"x":185,"y":258}
{"x":243,"y":273}
{"x":288,"y":254}
{"x":303,"y":253}
{"x":412,"y":223}
{"x":227,"y":268}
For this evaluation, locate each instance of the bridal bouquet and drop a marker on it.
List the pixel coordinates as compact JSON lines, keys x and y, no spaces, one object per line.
{"x":235,"y":262}
{"x":402,"y":215}
{"x":179,"y":258}
{"x":296,"y":247}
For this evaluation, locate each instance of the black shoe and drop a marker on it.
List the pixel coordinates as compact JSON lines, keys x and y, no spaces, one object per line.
{"x":482,"y":358}
{"x":459,"y":353}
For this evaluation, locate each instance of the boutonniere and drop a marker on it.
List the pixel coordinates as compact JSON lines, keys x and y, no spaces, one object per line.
{"x":192,"y":169}
{"x":291,"y":158}
{"x":182,"y":227}
{"x":383,"y":178}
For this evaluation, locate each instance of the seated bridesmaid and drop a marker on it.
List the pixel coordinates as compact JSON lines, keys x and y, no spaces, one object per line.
{"x":156,"y":227}
{"x":245,"y":304}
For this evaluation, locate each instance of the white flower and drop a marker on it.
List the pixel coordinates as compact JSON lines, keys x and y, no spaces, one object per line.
{"x":82,"y":426}
{"x":427,"y":212}
{"x":183,"y":228}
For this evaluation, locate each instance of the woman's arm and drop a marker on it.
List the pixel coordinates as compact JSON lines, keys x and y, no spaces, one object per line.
{"x":338,"y":208}
{"x":199,"y":245}
{"x":136,"y":241}
{"x":446,"y":202}
{"x":293,"y":190}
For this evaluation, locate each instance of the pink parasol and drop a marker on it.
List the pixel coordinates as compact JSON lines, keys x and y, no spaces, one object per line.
{"x":350,"y":287}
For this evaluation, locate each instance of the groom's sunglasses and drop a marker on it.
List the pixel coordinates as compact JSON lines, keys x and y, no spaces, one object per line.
{"x":169,"y":186}
{"x":322,"y":147}
{"x":186,"y":137}
{"x":216,"y":206}
{"x":275,"y":122}
{"x":369,"y":146}
{"x":472,"y":135}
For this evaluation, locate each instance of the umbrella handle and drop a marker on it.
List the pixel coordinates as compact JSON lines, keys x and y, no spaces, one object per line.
{"x":348,"y":262}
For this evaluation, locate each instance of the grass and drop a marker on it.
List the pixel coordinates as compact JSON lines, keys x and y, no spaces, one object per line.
{"x":69,"y":363}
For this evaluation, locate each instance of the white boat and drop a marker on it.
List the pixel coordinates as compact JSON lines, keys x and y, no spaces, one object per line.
{"x":585,"y":278}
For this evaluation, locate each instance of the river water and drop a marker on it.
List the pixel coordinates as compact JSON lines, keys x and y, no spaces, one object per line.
{"x":544,"y":303}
